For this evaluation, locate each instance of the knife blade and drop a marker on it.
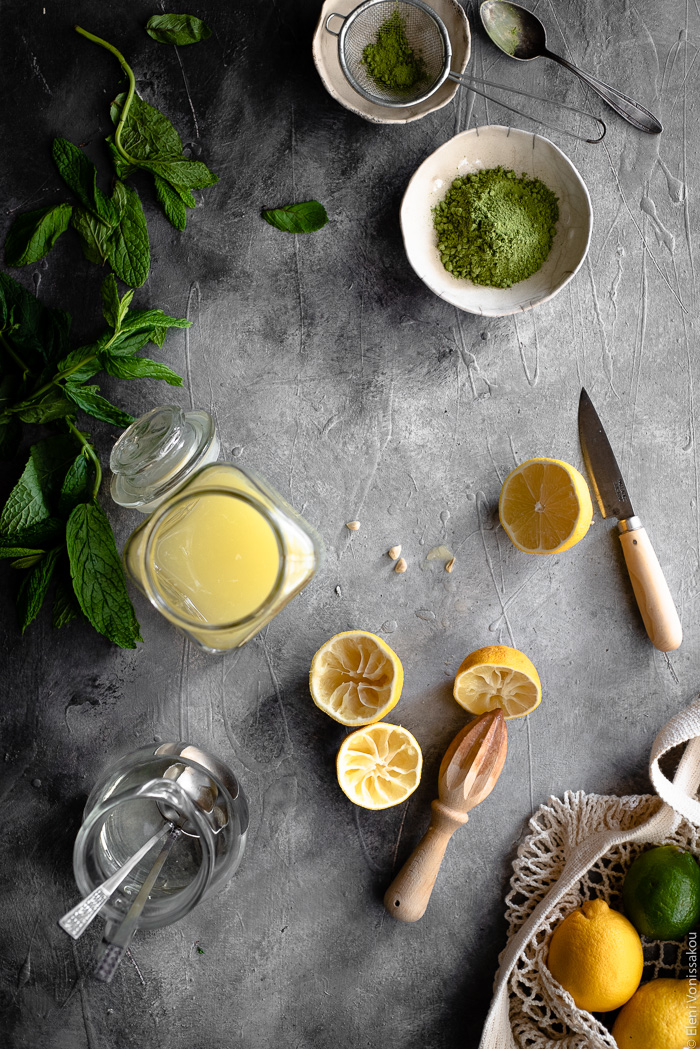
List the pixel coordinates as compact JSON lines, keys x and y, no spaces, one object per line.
{"x":648,"y":582}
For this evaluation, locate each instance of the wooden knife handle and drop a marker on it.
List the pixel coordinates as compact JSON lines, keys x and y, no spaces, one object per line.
{"x":409,"y":893}
{"x":651,"y":590}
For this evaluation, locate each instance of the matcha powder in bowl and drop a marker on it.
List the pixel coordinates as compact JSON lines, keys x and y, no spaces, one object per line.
{"x":513,"y":220}
{"x":495,"y":228}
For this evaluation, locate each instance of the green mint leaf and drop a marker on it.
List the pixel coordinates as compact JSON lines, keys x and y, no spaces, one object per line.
{"x":65,"y":604}
{"x":182,"y":173}
{"x":128,"y":343}
{"x":110,"y":301}
{"x":87,"y":398}
{"x":49,"y":406}
{"x":139,"y":368}
{"x":76,"y":487}
{"x":98,"y":580}
{"x":80,"y":174}
{"x":83,"y":363}
{"x":94,"y":235}
{"x":172,"y":203}
{"x":138,"y":319}
{"x":51,"y":458}
{"x":26,"y":504}
{"x":122,"y":168}
{"x":159,"y":335}
{"x":36,"y":334}
{"x":33,"y":589}
{"x":28,"y":561}
{"x":9,"y":552}
{"x":297,"y":218}
{"x":177,"y":29}
{"x":147,"y":132}
{"x":129,"y":254}
{"x":33,"y":234}
{"x":40,"y":536}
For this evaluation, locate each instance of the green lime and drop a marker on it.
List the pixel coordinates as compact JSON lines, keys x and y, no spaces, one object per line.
{"x":661,"y":893}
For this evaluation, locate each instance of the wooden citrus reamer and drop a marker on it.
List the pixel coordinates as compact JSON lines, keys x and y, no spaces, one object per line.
{"x":468,"y":774}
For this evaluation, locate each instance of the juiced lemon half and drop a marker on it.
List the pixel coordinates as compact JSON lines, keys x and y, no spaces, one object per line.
{"x":379,"y":765}
{"x":498,"y":677}
{"x":356,"y":678}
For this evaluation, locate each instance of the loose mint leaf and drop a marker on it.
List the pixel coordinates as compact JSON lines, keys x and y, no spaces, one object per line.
{"x":43,"y":535}
{"x":33,"y":234}
{"x":51,"y":405}
{"x":129,"y":252}
{"x":98,"y":580}
{"x":131,"y":342}
{"x":182,"y":173}
{"x":94,"y":235}
{"x":65,"y":604}
{"x":147,"y":133}
{"x":83,"y":363}
{"x":8,"y":552}
{"x":173,"y":205}
{"x":139,"y":368}
{"x":87,"y":398}
{"x":52,"y":458}
{"x":297,"y":218}
{"x":26,"y":504}
{"x":177,"y":29}
{"x":80,"y":174}
{"x":33,"y":588}
{"x":159,"y":335}
{"x":76,"y":487}
{"x":28,"y":561}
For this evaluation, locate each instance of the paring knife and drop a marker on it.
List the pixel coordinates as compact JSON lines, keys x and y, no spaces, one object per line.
{"x":650,"y":587}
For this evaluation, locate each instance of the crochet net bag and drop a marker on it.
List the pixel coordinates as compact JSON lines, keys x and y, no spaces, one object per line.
{"x":578,"y":848}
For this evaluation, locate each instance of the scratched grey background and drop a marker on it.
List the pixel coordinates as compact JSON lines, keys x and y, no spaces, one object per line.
{"x":337,"y":375}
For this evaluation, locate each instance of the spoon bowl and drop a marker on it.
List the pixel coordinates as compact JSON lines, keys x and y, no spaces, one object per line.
{"x":521,"y":35}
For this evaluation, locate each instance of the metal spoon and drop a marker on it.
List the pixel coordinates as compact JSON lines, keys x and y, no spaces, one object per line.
{"x":520,"y":34}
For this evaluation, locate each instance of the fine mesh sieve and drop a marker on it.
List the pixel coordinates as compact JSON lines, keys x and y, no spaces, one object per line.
{"x":429,"y":40}
{"x":427,"y":37}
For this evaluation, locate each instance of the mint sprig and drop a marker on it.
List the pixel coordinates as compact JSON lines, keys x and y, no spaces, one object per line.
{"x":52,"y":530}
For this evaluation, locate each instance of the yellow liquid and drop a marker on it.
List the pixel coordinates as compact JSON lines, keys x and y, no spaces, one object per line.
{"x":216,"y":559}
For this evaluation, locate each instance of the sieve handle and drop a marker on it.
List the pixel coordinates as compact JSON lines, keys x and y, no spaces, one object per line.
{"x":334,"y":14}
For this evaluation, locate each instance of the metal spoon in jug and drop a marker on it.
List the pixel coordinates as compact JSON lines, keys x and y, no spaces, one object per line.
{"x":520,"y":34}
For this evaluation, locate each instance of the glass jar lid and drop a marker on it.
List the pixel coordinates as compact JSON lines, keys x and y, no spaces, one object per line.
{"x":158,"y":452}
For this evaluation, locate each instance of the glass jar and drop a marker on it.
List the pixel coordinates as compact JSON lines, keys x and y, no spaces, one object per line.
{"x":133,"y":800}
{"x":221,"y":552}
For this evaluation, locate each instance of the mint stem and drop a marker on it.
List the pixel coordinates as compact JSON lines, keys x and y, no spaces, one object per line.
{"x":89,"y":453}
{"x":132,"y":88}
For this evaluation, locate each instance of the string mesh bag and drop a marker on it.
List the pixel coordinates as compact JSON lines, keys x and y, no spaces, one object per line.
{"x":579,"y":848}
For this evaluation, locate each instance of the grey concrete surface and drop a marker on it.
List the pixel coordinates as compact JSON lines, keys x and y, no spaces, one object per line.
{"x":360,"y":395}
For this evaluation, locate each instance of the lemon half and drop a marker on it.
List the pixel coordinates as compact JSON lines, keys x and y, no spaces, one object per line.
{"x":545,"y":506}
{"x":356,"y":678}
{"x":498,"y":677}
{"x":379,"y":765}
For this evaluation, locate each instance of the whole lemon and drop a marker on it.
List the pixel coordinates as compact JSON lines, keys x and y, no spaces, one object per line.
{"x":661,"y":1015}
{"x":596,"y":955}
{"x":661,"y":893}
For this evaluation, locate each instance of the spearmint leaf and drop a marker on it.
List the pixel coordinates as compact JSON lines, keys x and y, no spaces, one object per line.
{"x":110,"y":301}
{"x":47,"y":533}
{"x":94,"y":235}
{"x":87,"y":398}
{"x":173,"y":205}
{"x":51,"y":458}
{"x":306,"y":217}
{"x":159,"y":335}
{"x":182,"y":173}
{"x":130,"y":343}
{"x":65,"y":604}
{"x":122,"y":167}
{"x":177,"y":29}
{"x":80,"y":174}
{"x":146,"y":132}
{"x":28,"y":561}
{"x":139,"y":368}
{"x":76,"y":487}
{"x":98,"y":580}
{"x":83,"y":363}
{"x":33,"y":588}
{"x":8,"y":552}
{"x":26,"y":504}
{"x":129,"y":252}
{"x":137,"y":319}
{"x":33,"y":234}
{"x":51,"y":405}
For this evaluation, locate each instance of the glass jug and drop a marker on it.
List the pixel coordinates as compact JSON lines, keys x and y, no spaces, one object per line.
{"x":137,"y":797}
{"x":221,"y":552}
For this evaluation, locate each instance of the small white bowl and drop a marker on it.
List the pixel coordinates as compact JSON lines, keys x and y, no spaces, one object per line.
{"x":523,"y":153}
{"x":325,"y":52}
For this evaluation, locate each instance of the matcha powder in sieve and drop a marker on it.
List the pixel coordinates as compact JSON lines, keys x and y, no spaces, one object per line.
{"x":390,"y":60}
{"x":494,"y":228}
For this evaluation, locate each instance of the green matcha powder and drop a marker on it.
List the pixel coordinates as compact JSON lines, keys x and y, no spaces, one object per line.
{"x":390,"y":60}
{"x":494,"y":228}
